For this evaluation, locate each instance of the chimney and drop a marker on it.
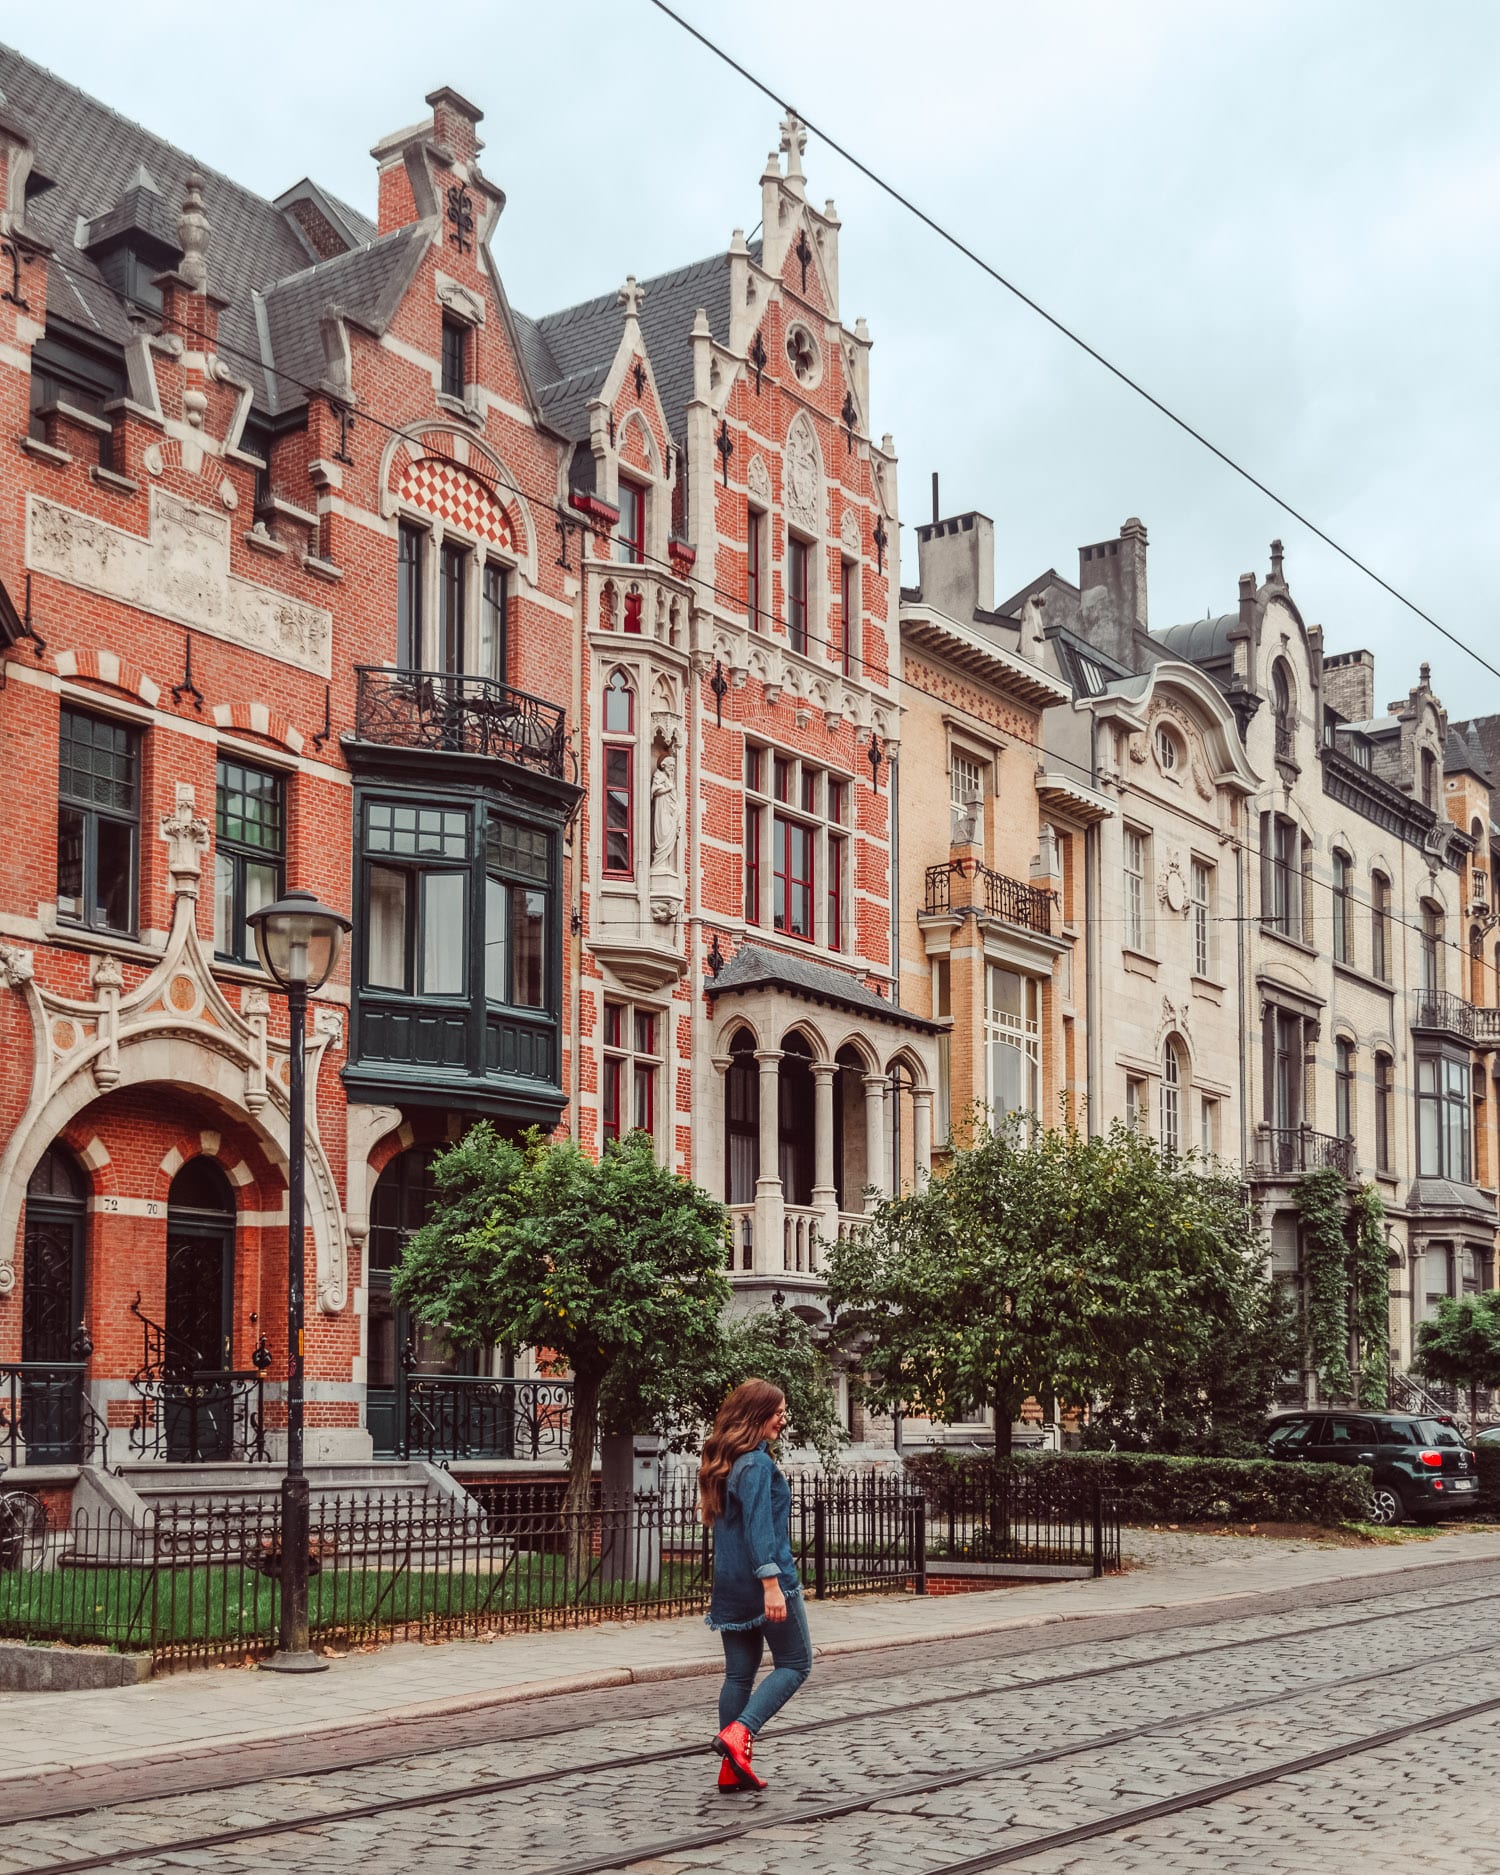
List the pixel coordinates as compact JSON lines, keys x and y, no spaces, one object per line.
{"x":1112,"y":592}
{"x":956,"y":565}
{"x":455,"y":123}
{"x":1349,"y":684}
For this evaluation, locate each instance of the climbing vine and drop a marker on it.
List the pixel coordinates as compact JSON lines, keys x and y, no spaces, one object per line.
{"x":1369,"y":1269}
{"x":1322,"y":1199}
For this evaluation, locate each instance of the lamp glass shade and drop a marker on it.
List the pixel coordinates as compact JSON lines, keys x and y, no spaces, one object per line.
{"x":298,"y":939}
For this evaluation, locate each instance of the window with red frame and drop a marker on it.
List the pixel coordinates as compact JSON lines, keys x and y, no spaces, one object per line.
{"x":792,"y":877}
{"x":754,"y":822}
{"x":632,"y":1062}
{"x":754,"y":534}
{"x":630,"y":533}
{"x":836,"y":893}
{"x":797,"y":558}
{"x":619,"y":810}
{"x":849,"y":607}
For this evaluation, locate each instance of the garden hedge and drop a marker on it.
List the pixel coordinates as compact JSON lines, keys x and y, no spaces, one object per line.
{"x":1488,"y":1459}
{"x":1154,"y":1488}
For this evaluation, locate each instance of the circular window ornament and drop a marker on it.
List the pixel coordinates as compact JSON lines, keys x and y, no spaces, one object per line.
{"x":1166,"y":750}
{"x":803,"y":356}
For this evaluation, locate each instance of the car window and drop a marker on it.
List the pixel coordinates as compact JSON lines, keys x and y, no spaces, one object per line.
{"x":1342,"y":1431}
{"x":1290,"y":1435}
{"x":1490,"y":1436}
{"x":1433,"y":1432}
{"x":1400,"y":1432}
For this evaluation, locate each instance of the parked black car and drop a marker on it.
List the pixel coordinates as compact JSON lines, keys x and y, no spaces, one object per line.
{"x":1422,"y":1467}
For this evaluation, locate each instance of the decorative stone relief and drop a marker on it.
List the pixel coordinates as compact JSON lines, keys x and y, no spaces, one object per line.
{"x":186,"y":835}
{"x":15,"y":966}
{"x":804,"y":477}
{"x":1171,"y":887}
{"x":758,"y":479}
{"x":180,"y":571}
{"x":849,"y":535}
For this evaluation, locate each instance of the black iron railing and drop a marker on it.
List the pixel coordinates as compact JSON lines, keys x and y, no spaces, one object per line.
{"x":1011,"y":900}
{"x":979,"y":1518}
{"x":475,"y":1416}
{"x":191,"y":1414}
{"x":458,"y":715}
{"x":1439,"y":1009}
{"x":45,"y":1414}
{"x":853,"y":1535}
{"x":1300,"y":1149}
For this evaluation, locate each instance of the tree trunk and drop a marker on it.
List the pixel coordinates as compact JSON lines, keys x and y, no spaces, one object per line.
{"x":583,"y":1435}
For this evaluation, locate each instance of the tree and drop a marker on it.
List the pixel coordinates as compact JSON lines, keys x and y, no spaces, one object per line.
{"x":1461,"y":1344}
{"x":1106,"y":1271}
{"x":612,"y":1267}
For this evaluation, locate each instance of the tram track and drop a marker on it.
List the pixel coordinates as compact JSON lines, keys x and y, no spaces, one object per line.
{"x":403,"y":1750}
{"x":749,"y":1821}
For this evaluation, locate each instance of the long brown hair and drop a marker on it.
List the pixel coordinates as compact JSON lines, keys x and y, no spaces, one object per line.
{"x":739,"y":1428}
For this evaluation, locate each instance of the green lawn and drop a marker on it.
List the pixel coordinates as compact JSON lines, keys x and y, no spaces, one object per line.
{"x":231,"y":1607}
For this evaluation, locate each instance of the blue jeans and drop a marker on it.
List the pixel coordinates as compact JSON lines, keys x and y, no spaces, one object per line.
{"x":791,"y":1655}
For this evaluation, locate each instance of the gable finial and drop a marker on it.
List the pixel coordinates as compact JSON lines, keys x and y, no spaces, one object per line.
{"x":632,"y":297}
{"x":192,"y":235}
{"x":793,"y":143}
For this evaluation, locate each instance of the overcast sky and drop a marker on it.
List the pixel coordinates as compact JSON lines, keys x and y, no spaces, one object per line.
{"x":1283,"y":219}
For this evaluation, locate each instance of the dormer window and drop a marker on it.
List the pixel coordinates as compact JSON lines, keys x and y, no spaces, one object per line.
{"x":455,"y":357}
{"x":71,"y":385}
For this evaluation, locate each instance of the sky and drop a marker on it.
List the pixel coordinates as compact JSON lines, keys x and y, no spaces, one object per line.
{"x":1282,"y":219}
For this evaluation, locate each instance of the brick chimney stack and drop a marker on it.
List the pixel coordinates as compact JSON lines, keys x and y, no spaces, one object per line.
{"x":1112,"y":593}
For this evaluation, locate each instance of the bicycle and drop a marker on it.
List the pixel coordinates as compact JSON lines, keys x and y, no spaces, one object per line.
{"x":23,"y":1531}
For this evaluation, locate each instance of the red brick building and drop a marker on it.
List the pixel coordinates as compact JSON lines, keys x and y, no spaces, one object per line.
{"x":555,"y":651}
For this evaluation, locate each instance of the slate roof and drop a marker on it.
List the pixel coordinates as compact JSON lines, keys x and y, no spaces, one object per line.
{"x":1472,"y":746}
{"x":574,"y":348}
{"x":754,"y":967}
{"x":89,"y":158}
{"x":1201,"y":640}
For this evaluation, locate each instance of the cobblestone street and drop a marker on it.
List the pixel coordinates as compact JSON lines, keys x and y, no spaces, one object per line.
{"x":1040,"y":1751}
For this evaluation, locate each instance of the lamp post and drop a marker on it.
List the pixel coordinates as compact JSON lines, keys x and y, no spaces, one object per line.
{"x":298,"y":942}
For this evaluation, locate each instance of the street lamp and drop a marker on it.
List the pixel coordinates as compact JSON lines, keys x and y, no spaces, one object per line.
{"x":298,"y":942}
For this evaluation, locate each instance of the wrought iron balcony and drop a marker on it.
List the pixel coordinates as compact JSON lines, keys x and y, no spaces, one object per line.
{"x":1011,"y":900}
{"x":1299,"y":1149}
{"x":479,"y":1416}
{"x":1438,"y":1009}
{"x":458,"y":715}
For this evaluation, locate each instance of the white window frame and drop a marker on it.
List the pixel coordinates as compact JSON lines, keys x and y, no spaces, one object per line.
{"x":963,"y":768}
{"x":1170,"y":1127}
{"x":1021,"y":1035}
{"x":1201,"y":882}
{"x":1136,"y":861}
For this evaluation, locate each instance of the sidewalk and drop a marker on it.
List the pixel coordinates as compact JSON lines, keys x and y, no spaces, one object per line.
{"x":181,"y":1715}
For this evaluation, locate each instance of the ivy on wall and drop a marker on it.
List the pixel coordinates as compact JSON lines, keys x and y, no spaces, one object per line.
{"x":1345,"y":1287}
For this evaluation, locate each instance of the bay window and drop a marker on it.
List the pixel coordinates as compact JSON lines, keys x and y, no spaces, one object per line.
{"x":1443,"y":1118}
{"x":1012,"y":1041}
{"x":630,"y":533}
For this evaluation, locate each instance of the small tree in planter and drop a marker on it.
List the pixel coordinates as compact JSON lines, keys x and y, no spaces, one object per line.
{"x":613,"y":1267}
{"x":1461,"y":1344}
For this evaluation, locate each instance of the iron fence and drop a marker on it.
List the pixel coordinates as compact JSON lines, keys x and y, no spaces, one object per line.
{"x":198,"y":1579}
{"x":45,"y":1413}
{"x":458,"y":714}
{"x":996,"y":1517}
{"x":444,"y":1416}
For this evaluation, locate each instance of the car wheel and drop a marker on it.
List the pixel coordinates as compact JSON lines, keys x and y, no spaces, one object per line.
{"x":1388,"y":1506}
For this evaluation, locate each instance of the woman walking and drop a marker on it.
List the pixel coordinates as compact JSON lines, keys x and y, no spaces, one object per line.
{"x":757,"y":1597}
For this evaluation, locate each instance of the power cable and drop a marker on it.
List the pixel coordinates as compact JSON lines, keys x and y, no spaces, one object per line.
{"x":954,"y":241}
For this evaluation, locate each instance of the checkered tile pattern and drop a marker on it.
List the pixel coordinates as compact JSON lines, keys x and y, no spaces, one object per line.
{"x":459,"y":498}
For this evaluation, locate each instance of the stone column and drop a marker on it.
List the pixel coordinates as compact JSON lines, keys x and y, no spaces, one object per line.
{"x":921,"y":1101}
{"x":825,"y":1193}
{"x":876,"y":1151}
{"x":768,"y":1195}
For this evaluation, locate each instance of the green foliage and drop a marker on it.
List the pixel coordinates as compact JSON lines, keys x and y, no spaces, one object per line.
{"x":1370,"y":1274}
{"x":1322,"y":1199}
{"x":1461,"y":1344}
{"x":1487,"y":1461}
{"x":1154,"y":1488}
{"x":1049,"y":1264}
{"x":613,"y":1267}
{"x":778,"y":1346}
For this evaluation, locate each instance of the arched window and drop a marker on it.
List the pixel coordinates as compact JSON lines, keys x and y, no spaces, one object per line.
{"x":796,"y":1119}
{"x":1343,"y":1087}
{"x":1385,"y":1094}
{"x":742,"y":1141}
{"x":1429,"y":780}
{"x":619,"y":778}
{"x":1281,"y":708}
{"x":199,"y":1317}
{"x":1343,"y":905}
{"x":1432,"y":948}
{"x":1171,"y":1098}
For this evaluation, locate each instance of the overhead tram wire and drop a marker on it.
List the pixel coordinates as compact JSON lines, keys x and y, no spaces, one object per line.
{"x":552,"y":503}
{"x":960,"y":246}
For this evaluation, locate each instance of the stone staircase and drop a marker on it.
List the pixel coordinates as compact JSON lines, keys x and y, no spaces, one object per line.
{"x":144,"y":1511}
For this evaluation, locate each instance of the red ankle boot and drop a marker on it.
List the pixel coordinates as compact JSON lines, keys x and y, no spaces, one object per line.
{"x":727,"y":1779}
{"x":733,"y":1746}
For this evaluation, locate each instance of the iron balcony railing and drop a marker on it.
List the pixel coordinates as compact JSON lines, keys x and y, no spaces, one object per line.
{"x":45,"y":1415}
{"x":1011,"y":900}
{"x":458,"y":715}
{"x":1439,"y":1009}
{"x":1300,"y":1149}
{"x":480,"y":1416}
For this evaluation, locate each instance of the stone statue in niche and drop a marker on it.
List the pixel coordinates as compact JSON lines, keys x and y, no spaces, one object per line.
{"x":664,"y":814}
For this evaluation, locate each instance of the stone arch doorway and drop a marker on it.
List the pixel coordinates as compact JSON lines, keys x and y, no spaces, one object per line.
{"x":52,"y":1308}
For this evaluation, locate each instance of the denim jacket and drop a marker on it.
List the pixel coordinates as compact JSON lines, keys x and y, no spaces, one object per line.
{"x":751,"y":1542}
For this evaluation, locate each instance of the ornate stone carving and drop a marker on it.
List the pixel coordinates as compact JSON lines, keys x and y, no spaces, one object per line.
{"x":803,"y":480}
{"x":180,"y":571}
{"x":849,"y":538}
{"x":758,"y":479}
{"x":15,"y":966}
{"x":665,"y":814}
{"x":186,"y":835}
{"x":1171,"y":887}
